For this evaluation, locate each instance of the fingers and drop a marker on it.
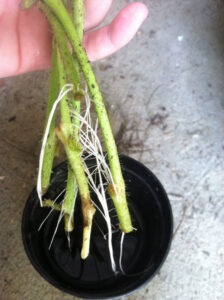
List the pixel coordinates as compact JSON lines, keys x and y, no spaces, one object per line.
{"x":34,"y":39}
{"x":105,"y":41}
{"x":25,"y":40}
{"x":95,"y":12}
{"x":26,"y":37}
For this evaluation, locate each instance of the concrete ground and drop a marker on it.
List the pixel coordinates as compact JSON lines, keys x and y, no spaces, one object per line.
{"x":167,"y":87}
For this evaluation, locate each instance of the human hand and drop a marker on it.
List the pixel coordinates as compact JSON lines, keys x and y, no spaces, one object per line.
{"x":25,"y":38}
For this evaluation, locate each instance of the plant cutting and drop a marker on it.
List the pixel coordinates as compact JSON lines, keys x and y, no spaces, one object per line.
{"x":66,"y":68}
{"x":91,"y":178}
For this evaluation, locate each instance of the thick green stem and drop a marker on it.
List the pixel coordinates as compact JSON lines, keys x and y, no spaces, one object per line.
{"x":72,"y":148}
{"x":52,"y":140}
{"x":120,"y":200}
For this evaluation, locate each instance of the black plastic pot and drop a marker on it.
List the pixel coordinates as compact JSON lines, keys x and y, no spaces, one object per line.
{"x":144,"y":250}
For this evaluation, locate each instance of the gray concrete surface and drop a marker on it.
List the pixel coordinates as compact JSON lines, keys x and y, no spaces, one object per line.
{"x":167,"y":88}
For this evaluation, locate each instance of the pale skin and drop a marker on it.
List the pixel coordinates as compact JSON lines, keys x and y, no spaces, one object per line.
{"x":25,"y":37}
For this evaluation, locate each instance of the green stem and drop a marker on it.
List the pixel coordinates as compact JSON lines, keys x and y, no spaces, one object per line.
{"x":65,"y":131}
{"x":68,"y":206}
{"x":120,"y":200}
{"x":71,"y":66}
{"x":52,"y":140}
{"x":25,"y":4}
{"x":65,"y":111}
{"x":73,"y":73}
{"x":72,"y":149}
{"x":78,"y":17}
{"x":69,"y":201}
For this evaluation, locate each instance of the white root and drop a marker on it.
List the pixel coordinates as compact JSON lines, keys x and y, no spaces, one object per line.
{"x":64,"y":91}
{"x":121,"y":252}
{"x":52,"y":209}
{"x":56,"y":228}
{"x":92,"y":146}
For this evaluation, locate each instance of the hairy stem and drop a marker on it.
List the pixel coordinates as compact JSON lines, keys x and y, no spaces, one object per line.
{"x":120,"y":196}
{"x":79,"y":17}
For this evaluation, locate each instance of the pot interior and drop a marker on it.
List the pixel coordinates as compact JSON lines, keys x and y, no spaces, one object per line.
{"x":144,"y":250}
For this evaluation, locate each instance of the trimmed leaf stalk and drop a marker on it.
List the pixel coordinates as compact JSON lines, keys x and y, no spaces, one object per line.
{"x":118,"y":196}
